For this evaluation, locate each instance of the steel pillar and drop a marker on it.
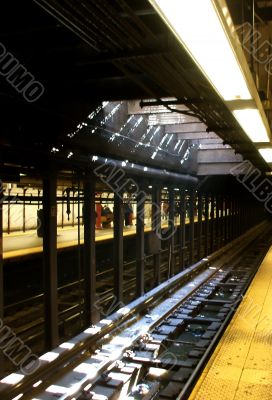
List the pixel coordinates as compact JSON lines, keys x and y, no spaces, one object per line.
{"x":212,"y":226}
{"x":230,"y":219}
{"x":191,"y":227}
{"x":217,"y":222}
{"x":90,"y":313}
{"x":1,"y":273}
{"x":206,"y":235}
{"x":221,"y":225}
{"x":233,"y":225}
{"x":118,"y":247}
{"x":156,"y":227}
{"x":140,"y":255}
{"x":171,"y":231}
{"x":199,"y":225}
{"x":239,"y":212}
{"x":182,"y":212}
{"x":50,"y":260}
{"x":225,"y":220}
{"x":236,"y":219}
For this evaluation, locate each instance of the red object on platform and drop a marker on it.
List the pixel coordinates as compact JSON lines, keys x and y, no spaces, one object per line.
{"x":98,"y":222}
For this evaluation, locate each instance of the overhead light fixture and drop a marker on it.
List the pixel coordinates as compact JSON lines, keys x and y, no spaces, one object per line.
{"x":252,"y":123}
{"x":198,"y":26}
{"x":206,"y":31}
{"x":266,"y":153}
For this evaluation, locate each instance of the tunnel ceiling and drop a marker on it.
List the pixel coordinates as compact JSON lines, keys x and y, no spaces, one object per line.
{"x":86,"y":52}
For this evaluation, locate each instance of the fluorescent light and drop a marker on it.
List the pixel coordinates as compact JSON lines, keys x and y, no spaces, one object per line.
{"x":252,"y":123}
{"x":198,"y":27}
{"x":266,"y":154}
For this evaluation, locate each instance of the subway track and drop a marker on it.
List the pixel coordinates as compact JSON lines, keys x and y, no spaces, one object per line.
{"x":155,"y":347}
{"x":26,"y":318}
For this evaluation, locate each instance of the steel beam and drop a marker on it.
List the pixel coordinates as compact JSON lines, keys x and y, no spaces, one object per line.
{"x":50,"y":260}
{"x":216,"y":168}
{"x":196,"y":136}
{"x":218,"y":156}
{"x":191,"y":127}
{"x":140,"y":248}
{"x":156,"y":227}
{"x":90,"y":312}
{"x":118,"y":247}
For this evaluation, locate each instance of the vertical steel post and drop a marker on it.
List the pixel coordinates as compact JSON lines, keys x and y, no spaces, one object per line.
{"x":1,"y":274}
{"x":73,"y":208}
{"x":191,"y":227}
{"x":50,"y":259}
{"x":9,"y":191}
{"x":140,"y":257}
{"x":212,"y":226}
{"x":235,"y":218}
{"x":89,"y":257}
{"x":230,"y":219}
{"x":182,"y":212}
{"x":206,"y":246}
{"x":233,"y":225}
{"x":225,"y":219}
{"x":221,"y":226}
{"x":239,"y":212}
{"x":156,"y":227}
{"x":199,"y":225}
{"x":24,"y":210}
{"x":171,"y":231}
{"x":118,"y":247}
{"x":217,"y":222}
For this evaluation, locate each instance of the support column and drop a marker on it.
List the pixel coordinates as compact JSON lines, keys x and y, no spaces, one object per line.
{"x":230,"y":219}
{"x":217,"y":222}
{"x":239,"y":212}
{"x":171,"y":224}
{"x":236,"y":218}
{"x":199,"y":225}
{"x":1,"y":274}
{"x":156,"y":227}
{"x":221,"y":224}
{"x":91,"y":314}
{"x":118,"y":247}
{"x":206,"y":241}
{"x":50,"y":260}
{"x":191,"y":227}
{"x":140,"y":256}
{"x":182,"y":212}
{"x":233,"y":218}
{"x":225,"y":219}
{"x":212,"y":226}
